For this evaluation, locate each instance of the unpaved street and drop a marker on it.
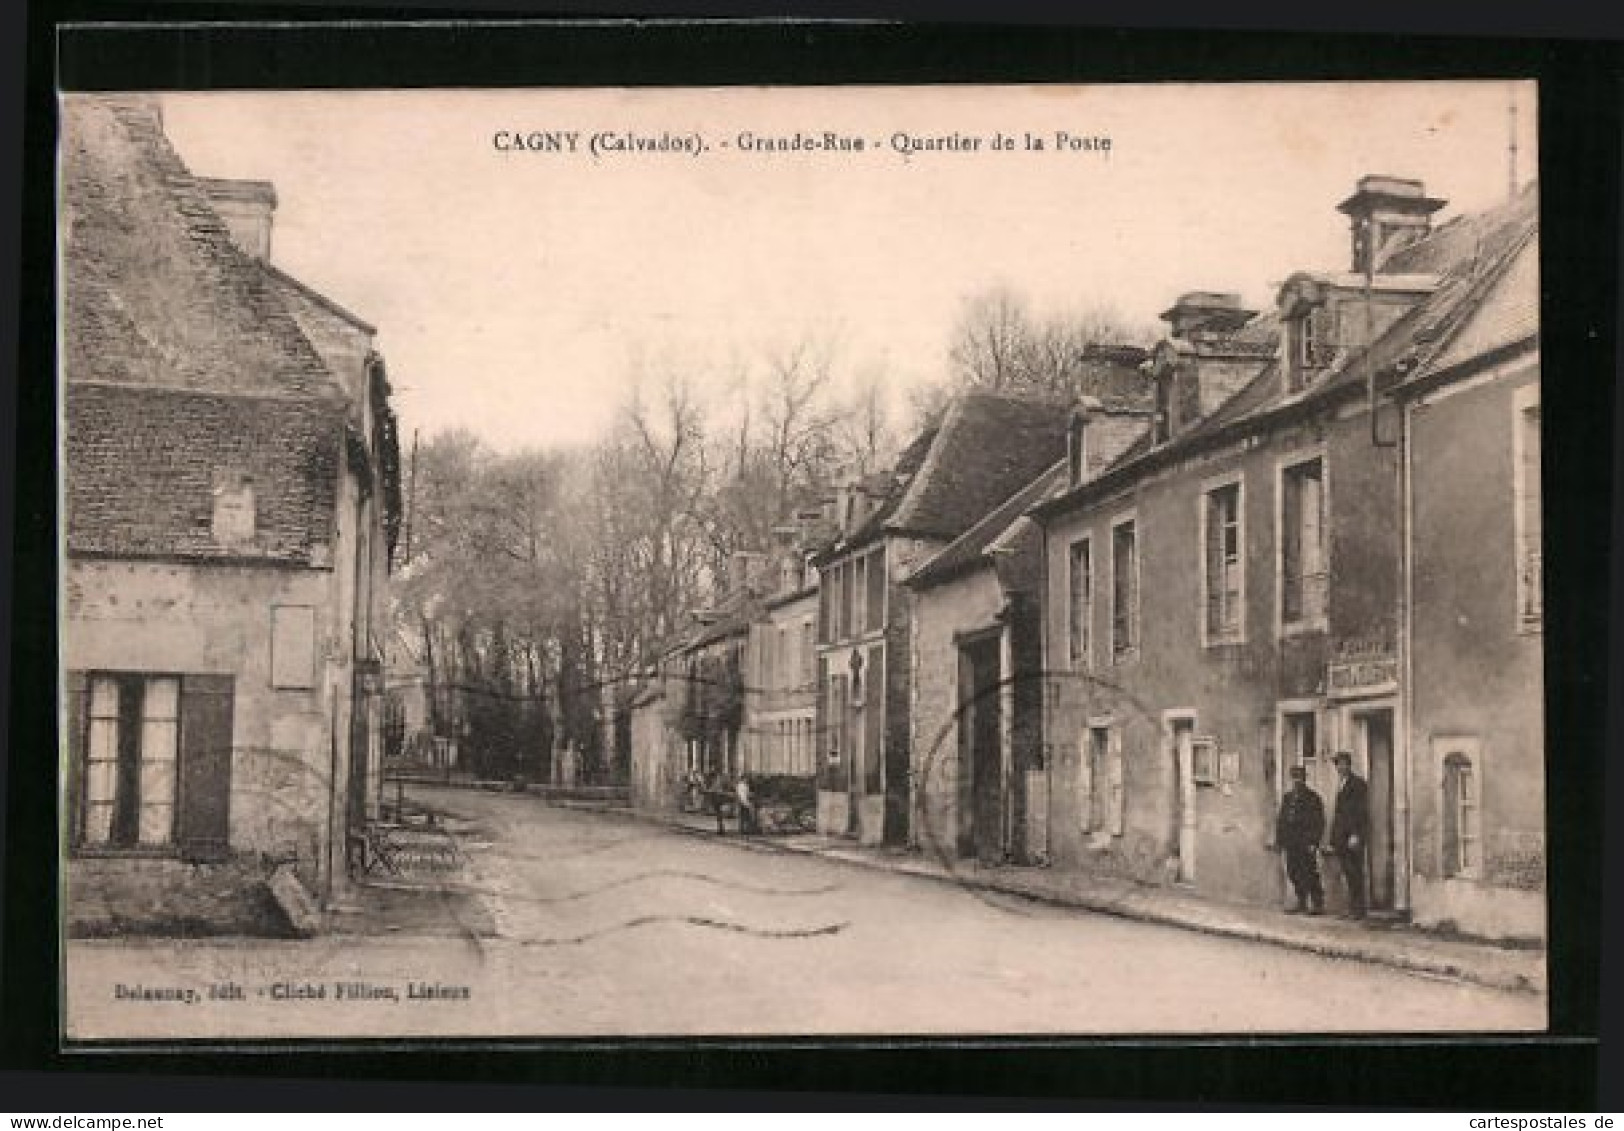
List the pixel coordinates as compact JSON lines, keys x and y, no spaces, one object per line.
{"x":605,"y":924}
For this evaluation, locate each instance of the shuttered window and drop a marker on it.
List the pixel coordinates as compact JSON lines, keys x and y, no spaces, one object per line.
{"x":151,"y":761}
{"x":1461,"y":835}
{"x":1080,"y":602}
{"x":1303,"y":558}
{"x":876,"y":591}
{"x":873,"y":718}
{"x":1124,"y":590}
{"x":1222,"y":564}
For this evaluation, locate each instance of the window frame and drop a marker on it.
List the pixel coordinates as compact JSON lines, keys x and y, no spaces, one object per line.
{"x":1209,"y":490}
{"x":80,"y":841}
{"x":1470,"y":748}
{"x":1284,"y":466}
{"x":1080,"y":659}
{"x":1120,"y":655}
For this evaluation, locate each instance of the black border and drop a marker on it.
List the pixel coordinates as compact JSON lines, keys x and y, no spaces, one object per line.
{"x":1580,"y":143}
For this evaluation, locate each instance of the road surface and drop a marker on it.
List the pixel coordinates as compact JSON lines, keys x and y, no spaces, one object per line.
{"x":603,"y":924}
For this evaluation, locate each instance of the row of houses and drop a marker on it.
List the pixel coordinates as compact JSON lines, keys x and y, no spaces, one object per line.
{"x":1098,"y":636}
{"x":230,"y":497}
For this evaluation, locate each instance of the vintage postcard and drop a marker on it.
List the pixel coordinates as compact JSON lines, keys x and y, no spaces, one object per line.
{"x":935,"y":561}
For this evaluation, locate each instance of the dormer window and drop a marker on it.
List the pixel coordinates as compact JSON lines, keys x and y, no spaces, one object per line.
{"x":1313,"y":344}
{"x":1077,"y":440}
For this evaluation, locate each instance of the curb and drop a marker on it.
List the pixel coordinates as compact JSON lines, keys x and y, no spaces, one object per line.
{"x":1420,"y":965}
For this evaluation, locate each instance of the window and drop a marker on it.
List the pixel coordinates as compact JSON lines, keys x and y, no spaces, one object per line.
{"x":859,"y":595}
{"x":1526,"y":489}
{"x":1124,"y":590}
{"x":150,"y":758}
{"x":1462,"y":847}
{"x":1313,"y":338}
{"x":808,"y":654}
{"x":1076,"y":448}
{"x":876,"y":591}
{"x":1303,"y":558}
{"x":1093,"y":778}
{"x":1300,"y":743}
{"x":1222,"y":580}
{"x":842,"y":601}
{"x":826,"y":584}
{"x":1080,"y":598}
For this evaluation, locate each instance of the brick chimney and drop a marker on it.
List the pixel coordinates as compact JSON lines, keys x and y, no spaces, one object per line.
{"x":1386,"y":214}
{"x":1214,"y":312}
{"x":247,"y":208}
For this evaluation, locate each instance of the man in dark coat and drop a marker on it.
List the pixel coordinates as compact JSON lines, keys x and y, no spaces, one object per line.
{"x":1297,"y":831}
{"x":1350,"y":829}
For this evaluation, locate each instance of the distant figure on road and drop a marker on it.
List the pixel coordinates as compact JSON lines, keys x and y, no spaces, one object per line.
{"x":1297,"y":832}
{"x":748,"y":823}
{"x":1350,"y":828}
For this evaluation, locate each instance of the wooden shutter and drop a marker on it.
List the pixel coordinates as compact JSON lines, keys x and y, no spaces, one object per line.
{"x":1085,"y":779}
{"x":204,"y":822}
{"x":1213,"y":552}
{"x":1291,"y":536}
{"x":874,"y":723}
{"x":876,"y":590}
{"x":1118,"y":785}
{"x":76,"y":695}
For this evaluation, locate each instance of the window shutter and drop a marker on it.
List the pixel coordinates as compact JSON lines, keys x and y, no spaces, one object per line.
{"x":876,"y":591}
{"x":76,"y":693}
{"x":1118,"y":786}
{"x":1215,"y":563}
{"x":1085,"y":779}
{"x":874,"y":723}
{"x":205,"y":767}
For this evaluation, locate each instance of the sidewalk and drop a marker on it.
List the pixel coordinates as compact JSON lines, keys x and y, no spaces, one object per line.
{"x":1399,"y":945}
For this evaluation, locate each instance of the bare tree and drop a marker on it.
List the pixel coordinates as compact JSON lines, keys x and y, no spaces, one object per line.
{"x":999,"y":344}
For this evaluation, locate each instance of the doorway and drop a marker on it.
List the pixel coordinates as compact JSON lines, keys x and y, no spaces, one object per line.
{"x":1181,"y":738}
{"x":1373,"y":738}
{"x":980,"y":791}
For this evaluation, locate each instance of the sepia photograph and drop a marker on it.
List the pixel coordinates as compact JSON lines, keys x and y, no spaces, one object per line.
{"x":939,"y":561}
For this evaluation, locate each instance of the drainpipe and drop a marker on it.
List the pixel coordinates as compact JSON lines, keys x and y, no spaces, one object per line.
{"x":1406,"y":661}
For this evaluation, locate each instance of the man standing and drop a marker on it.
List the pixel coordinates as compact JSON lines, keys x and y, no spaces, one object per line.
{"x":1350,"y":828}
{"x":1297,"y":831}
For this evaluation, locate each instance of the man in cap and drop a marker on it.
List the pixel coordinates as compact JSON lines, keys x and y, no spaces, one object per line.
{"x":1350,"y":828}
{"x":1297,"y":832}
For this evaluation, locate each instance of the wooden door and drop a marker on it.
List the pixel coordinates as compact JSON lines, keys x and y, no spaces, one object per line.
{"x":1375,"y":729}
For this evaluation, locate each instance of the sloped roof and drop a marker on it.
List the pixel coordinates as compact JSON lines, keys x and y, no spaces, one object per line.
{"x":1468,"y":255}
{"x":140,"y":467}
{"x":969,"y":550}
{"x":154,"y":290}
{"x":988,"y":446}
{"x":180,"y":362}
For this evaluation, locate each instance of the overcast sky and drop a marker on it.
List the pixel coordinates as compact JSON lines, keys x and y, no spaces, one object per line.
{"x":517,"y":292}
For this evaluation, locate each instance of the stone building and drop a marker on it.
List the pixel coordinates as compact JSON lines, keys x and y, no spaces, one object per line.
{"x":781,"y":666}
{"x":986,"y":447}
{"x":1473,"y":605}
{"x":1224,"y":601}
{"x":978,"y":752}
{"x":229,"y":479}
